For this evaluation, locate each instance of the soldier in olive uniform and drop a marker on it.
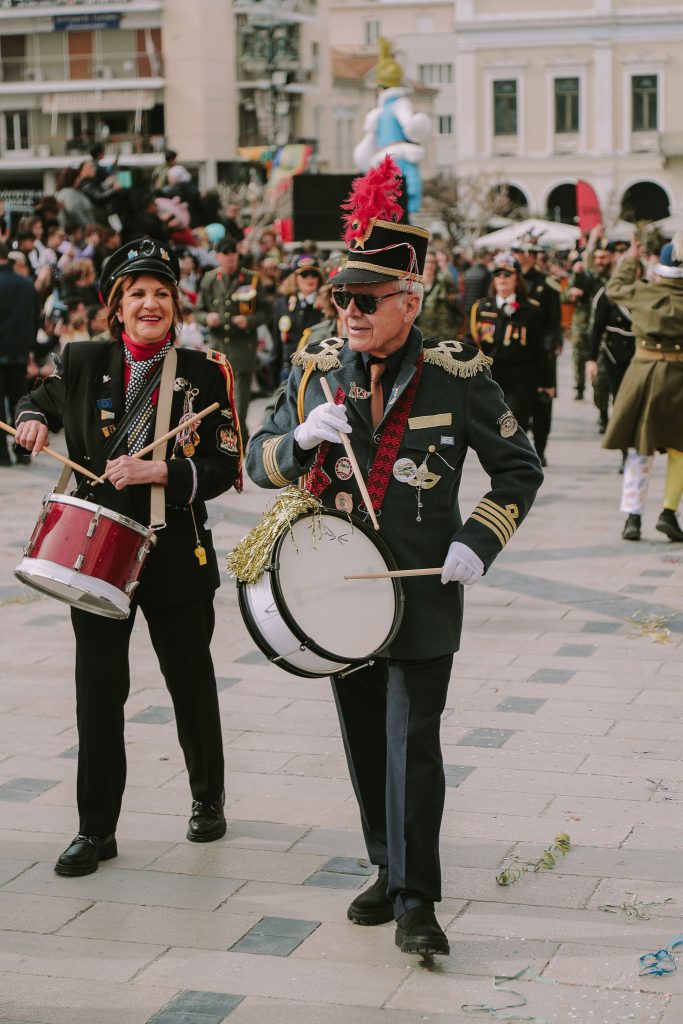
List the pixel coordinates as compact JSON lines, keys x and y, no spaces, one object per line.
{"x":648,"y":411}
{"x":412,"y":410}
{"x":231,"y":304}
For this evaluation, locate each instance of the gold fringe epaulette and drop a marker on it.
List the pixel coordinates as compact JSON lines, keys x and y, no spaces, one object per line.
{"x":444,"y":355}
{"x":325,"y":358}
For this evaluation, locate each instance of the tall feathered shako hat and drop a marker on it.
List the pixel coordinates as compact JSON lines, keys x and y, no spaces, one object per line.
{"x":378,"y":247}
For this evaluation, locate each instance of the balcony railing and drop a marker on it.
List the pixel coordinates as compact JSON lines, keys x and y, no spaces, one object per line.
{"x":121,"y":144}
{"x":82,"y":68}
{"x":27,"y":5}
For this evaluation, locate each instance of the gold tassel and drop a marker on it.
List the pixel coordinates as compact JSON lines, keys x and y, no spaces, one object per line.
{"x":468,"y":368}
{"x":247,"y":562}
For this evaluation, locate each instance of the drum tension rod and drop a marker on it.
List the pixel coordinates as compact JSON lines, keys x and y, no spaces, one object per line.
{"x":356,"y":668}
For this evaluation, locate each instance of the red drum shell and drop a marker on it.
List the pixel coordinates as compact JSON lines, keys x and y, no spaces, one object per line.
{"x":90,"y":542}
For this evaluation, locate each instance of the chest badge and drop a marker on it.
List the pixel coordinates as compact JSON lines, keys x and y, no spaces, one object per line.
{"x":507,"y":424}
{"x":357,"y":393}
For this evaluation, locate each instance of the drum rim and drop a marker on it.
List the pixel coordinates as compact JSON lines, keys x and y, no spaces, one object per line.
{"x":266,"y":649}
{"x":290,"y":622}
{"x":108,"y":513}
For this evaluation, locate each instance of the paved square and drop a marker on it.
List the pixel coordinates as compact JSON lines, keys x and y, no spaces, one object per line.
{"x":561,"y":717}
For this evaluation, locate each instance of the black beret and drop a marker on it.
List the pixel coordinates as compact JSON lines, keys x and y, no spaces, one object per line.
{"x":143,"y":256}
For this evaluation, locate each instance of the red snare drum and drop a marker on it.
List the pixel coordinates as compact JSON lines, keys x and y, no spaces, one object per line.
{"x":86,"y":555}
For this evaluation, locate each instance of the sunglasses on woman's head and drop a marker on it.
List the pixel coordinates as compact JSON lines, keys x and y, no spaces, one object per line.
{"x":503,"y":273}
{"x":367,"y":304}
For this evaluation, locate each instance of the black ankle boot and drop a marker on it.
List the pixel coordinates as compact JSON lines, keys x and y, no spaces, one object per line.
{"x":207,"y":821}
{"x":372,"y":906}
{"x":631,"y":529}
{"x":668,"y":524}
{"x":84,"y":853}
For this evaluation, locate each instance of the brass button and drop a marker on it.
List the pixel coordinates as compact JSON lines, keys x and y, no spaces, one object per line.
{"x":377,"y":438}
{"x":658,"y":345}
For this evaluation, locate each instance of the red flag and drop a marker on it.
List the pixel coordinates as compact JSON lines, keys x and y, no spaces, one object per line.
{"x":587,"y":207}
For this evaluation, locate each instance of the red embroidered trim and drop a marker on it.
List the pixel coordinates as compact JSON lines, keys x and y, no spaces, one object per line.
{"x":392,"y":435}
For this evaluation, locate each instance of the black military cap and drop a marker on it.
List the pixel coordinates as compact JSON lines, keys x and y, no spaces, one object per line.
{"x":143,"y":256}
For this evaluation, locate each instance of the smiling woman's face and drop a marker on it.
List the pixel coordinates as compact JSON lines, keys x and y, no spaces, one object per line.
{"x":146,"y":309}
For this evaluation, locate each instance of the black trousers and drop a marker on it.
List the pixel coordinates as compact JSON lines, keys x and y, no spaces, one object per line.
{"x":181,"y":635}
{"x":12,"y":387}
{"x":390,"y":716}
{"x":520,"y":395}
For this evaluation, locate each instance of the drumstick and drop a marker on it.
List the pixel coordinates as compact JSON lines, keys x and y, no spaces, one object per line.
{"x":55,"y":455}
{"x":166,"y":437}
{"x":352,"y":459}
{"x":391,"y":573}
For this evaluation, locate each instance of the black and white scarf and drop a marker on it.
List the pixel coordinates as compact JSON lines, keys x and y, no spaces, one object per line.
{"x":140,"y":373}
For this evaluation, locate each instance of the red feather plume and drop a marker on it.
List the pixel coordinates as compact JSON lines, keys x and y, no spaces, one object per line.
{"x":374,"y":196}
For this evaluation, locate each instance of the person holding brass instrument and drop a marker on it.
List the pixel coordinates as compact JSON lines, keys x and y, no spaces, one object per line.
{"x":110,"y":398}
{"x":232,"y":305}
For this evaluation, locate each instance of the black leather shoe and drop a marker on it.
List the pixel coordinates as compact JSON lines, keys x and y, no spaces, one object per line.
{"x":418,"y":931}
{"x":631,"y":529}
{"x":372,"y":906}
{"x":84,"y":853}
{"x":668,"y":524}
{"x":207,"y":821}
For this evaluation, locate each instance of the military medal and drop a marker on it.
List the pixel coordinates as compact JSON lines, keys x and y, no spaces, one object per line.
{"x":343,"y":468}
{"x":344,"y":502}
{"x":507,"y":424}
{"x":188,"y":438}
{"x":404,"y":471}
{"x":188,"y":449}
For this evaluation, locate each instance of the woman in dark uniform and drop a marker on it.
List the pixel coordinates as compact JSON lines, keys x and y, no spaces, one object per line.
{"x":507,"y":327}
{"x":95,"y":386}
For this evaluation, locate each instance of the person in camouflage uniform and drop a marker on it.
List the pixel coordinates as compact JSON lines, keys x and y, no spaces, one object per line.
{"x":440,"y":316}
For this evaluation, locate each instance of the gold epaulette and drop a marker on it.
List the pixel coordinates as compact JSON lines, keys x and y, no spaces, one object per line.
{"x":324,"y":357}
{"x":534,"y":302}
{"x":457,"y":358}
{"x":216,"y":357}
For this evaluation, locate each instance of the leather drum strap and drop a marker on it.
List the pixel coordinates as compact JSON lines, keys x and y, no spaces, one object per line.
{"x":157,"y":504}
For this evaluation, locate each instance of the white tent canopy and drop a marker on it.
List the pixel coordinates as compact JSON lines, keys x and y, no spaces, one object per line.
{"x":547,"y":232}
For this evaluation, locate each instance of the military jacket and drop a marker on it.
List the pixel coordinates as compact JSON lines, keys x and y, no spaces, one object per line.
{"x":513,"y":340}
{"x":292,"y":317}
{"x":656,"y":307}
{"x":86,"y":397}
{"x":457,"y":406}
{"x":548,"y":300}
{"x":221,"y":294}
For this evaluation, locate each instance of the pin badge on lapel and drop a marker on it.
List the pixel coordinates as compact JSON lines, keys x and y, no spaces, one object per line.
{"x":357,"y":393}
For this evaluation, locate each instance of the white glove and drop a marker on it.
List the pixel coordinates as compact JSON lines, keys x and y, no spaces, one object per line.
{"x":462,"y":565}
{"x":324,"y":423}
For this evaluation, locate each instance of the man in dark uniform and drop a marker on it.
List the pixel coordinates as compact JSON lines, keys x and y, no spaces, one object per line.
{"x":548,"y":299}
{"x":19,"y":319}
{"x":412,"y":410}
{"x":295,"y":311}
{"x":231,"y":304}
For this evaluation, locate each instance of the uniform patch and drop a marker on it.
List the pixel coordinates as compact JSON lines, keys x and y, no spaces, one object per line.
{"x":404,"y":470}
{"x":227,"y":440}
{"x":107,"y":414}
{"x":440,"y":419}
{"x":105,"y":403}
{"x":508,"y":424}
{"x":447,"y":439}
{"x":343,"y":468}
{"x":343,"y":502}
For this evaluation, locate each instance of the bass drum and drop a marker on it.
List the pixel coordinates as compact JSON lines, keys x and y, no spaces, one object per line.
{"x":305,"y":616}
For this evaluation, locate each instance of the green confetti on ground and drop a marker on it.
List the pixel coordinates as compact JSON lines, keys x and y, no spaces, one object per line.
{"x":635,"y":909}
{"x":508,"y":1011}
{"x":652,"y":626}
{"x":513,"y":872}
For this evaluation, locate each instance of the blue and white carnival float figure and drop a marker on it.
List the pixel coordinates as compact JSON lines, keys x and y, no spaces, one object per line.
{"x":393,"y":128}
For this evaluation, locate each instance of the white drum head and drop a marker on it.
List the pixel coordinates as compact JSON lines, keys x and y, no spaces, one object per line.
{"x":349,"y":619}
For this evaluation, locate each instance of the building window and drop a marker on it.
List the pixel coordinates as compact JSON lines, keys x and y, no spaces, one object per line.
{"x":566,"y":105}
{"x":644,"y":103}
{"x":445,"y":124}
{"x":435,"y":74}
{"x":15,"y":129}
{"x":373,"y":30}
{"x":505,"y":107}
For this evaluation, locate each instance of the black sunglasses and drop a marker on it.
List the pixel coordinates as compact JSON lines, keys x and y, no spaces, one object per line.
{"x":308,"y":273}
{"x":504,"y":273}
{"x":367,"y":304}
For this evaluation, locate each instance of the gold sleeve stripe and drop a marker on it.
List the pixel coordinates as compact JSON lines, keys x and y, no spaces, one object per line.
{"x":492,"y":517}
{"x":270,"y":462}
{"x":491,"y":505}
{"x":494,"y":529}
{"x":500,"y":521}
